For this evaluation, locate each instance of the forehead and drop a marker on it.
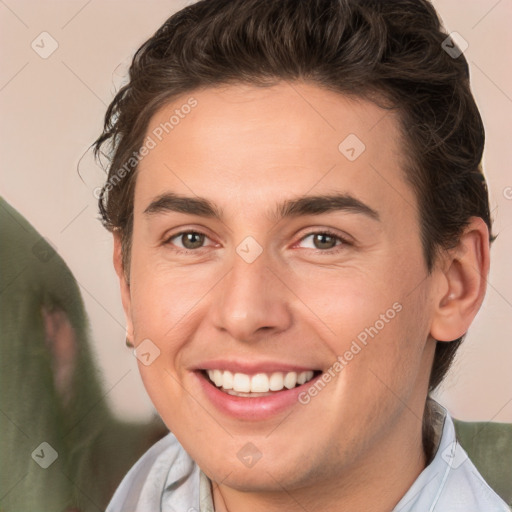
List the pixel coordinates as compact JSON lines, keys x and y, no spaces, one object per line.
{"x":243,"y":145}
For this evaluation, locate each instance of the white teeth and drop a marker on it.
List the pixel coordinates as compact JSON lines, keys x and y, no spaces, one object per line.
{"x":260,"y":382}
{"x":241,"y":382}
{"x":290,"y":380}
{"x":227,"y":380}
{"x":301,"y":378}
{"x":276,"y":382}
{"x":217,"y":377}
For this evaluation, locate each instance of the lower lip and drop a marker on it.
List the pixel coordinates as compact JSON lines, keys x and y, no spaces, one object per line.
{"x":249,"y":408}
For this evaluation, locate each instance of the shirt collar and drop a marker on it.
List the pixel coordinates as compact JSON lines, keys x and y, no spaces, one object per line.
{"x":205,"y":494}
{"x":428,"y":484}
{"x":450,"y":482}
{"x":428,"y":487}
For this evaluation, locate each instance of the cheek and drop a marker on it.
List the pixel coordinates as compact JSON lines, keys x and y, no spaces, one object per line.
{"x":391,"y":363}
{"x":346,"y":302}
{"x":376,"y":325}
{"x":162,"y":297}
{"x":166,"y":309}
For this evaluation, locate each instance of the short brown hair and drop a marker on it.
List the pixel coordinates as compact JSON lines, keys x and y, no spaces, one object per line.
{"x":390,"y":52}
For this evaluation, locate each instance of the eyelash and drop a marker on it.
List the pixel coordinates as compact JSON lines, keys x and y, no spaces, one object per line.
{"x":334,"y":250}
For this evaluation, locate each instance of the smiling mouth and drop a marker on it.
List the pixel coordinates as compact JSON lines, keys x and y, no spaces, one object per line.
{"x":260,"y":384}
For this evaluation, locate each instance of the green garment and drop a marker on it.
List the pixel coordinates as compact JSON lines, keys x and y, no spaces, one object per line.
{"x":94,"y":449}
{"x":489,"y":446}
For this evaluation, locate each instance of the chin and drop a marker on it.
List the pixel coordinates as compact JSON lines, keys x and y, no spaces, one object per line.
{"x":255,"y":480}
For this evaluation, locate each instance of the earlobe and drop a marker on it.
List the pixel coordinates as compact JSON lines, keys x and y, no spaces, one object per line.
{"x":465,"y":280}
{"x":124,"y":286}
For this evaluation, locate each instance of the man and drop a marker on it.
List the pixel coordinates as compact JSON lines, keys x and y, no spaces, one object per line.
{"x":301,"y":233}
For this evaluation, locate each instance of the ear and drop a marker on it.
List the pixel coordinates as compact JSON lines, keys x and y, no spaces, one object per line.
{"x":464,"y":280}
{"x":124,"y":286}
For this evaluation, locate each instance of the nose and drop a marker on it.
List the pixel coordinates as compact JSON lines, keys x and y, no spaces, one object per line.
{"x":251,"y":301}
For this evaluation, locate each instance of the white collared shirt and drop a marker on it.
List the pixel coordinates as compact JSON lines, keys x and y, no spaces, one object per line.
{"x":166,"y":479}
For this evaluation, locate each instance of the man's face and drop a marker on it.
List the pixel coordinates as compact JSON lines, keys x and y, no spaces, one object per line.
{"x":256,"y":293}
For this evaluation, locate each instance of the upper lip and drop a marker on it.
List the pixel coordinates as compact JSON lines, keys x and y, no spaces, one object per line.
{"x":252,"y":367}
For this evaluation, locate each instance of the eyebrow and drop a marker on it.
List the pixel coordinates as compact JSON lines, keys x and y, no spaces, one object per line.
{"x":303,"y":205}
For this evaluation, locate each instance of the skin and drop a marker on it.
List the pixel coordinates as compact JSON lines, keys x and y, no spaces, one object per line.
{"x":244,"y":148}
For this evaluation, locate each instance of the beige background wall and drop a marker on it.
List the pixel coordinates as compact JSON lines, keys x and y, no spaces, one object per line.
{"x":52,"y":110}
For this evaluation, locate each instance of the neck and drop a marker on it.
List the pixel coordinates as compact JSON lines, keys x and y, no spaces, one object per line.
{"x":374,"y":483}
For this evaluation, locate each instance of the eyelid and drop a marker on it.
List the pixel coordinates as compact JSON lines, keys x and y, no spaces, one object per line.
{"x":344,"y":239}
{"x":167,"y":240}
{"x":320,"y":231}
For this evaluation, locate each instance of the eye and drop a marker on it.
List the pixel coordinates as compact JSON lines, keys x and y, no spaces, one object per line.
{"x":192,"y":241}
{"x":324,"y":241}
{"x":187,"y":241}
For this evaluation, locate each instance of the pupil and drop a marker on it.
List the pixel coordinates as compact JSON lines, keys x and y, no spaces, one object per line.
{"x":324,"y":239}
{"x":193,"y":240}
